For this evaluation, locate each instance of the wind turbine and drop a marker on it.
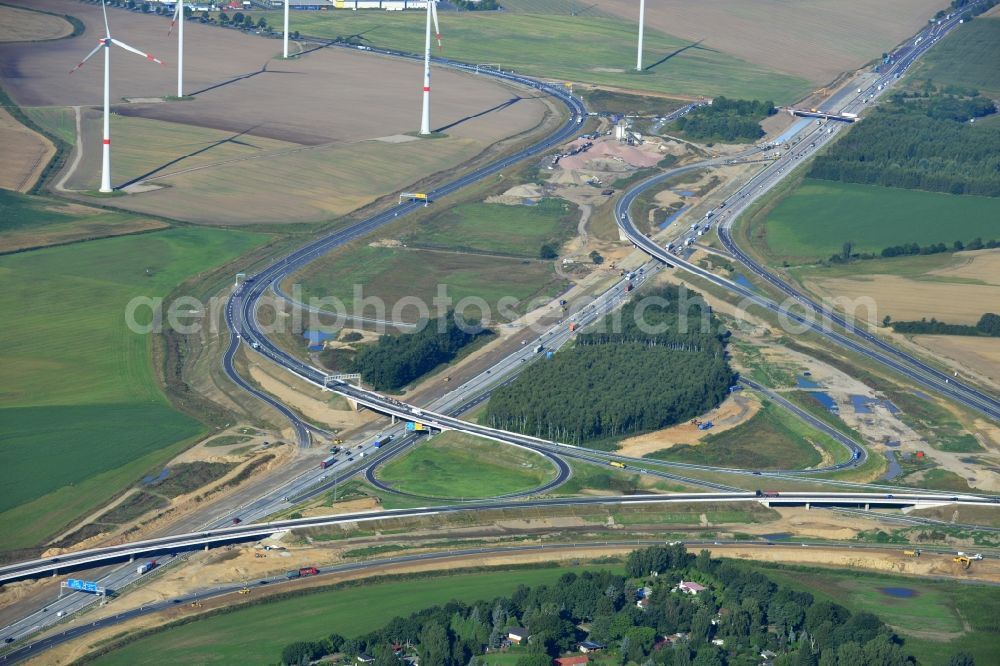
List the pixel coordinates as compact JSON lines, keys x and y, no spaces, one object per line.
{"x":106,"y":43}
{"x":285,"y":35}
{"x":642,"y":19}
{"x":425,"y":119}
{"x":179,"y":16}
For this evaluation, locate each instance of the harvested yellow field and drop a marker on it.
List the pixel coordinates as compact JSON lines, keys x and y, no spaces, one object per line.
{"x":25,"y":153}
{"x":906,"y":299}
{"x":23,"y":25}
{"x":814,"y":39}
{"x":981,"y":265}
{"x":209,"y":176}
{"x":976,"y":356}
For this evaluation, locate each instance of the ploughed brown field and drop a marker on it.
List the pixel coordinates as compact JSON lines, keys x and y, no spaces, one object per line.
{"x":332,"y":102}
{"x":814,"y":39}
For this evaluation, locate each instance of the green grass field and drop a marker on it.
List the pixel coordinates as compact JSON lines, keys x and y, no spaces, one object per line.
{"x":36,"y":221}
{"x":454,"y":464}
{"x":263,"y":630}
{"x":820,"y":216}
{"x":82,"y":413}
{"x":586,"y":49}
{"x":589,"y":477}
{"x":59,"y":120}
{"x":390,"y":273}
{"x":930,"y":622}
{"x":772,"y":439}
{"x":968,"y":57}
{"x":499,"y":228}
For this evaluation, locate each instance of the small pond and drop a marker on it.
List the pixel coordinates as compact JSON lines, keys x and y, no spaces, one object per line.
{"x":825,"y":400}
{"x":804,"y":383}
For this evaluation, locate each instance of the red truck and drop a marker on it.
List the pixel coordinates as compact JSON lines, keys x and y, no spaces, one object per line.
{"x":304,"y":571}
{"x":767,"y":493}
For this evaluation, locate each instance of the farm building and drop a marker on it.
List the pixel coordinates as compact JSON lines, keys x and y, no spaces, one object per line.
{"x":690,"y":588}
{"x":518,"y":635}
{"x":590,"y":646}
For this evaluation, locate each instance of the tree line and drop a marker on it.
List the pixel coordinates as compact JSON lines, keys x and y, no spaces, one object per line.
{"x":847,"y":253}
{"x":987,"y":326}
{"x":741,"y":608}
{"x":726,"y":120}
{"x":623,"y":377}
{"x":396,"y":360}
{"x":920,"y":143}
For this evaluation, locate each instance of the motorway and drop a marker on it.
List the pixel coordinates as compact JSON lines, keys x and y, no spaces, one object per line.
{"x":241,"y":320}
{"x":93,"y":557}
{"x":83,"y":628}
{"x":817,"y":318}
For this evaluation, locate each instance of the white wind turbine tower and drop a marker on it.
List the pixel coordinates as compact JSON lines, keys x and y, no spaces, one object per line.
{"x":642,"y":19}
{"x":179,"y":19}
{"x":285,"y":35}
{"x":106,"y":43}
{"x":425,"y":119}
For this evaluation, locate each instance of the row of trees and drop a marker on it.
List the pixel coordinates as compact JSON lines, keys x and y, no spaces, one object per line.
{"x":920,"y":144}
{"x":658,"y":362}
{"x":742,"y":607}
{"x":726,"y":120}
{"x":396,"y":360}
{"x":957,"y":246}
{"x":481,"y":5}
{"x":976,"y":10}
{"x":847,"y":253}
{"x":988,"y":325}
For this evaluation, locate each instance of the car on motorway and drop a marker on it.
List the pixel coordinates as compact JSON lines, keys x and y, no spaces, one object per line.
{"x":237,"y":521}
{"x":9,"y":639}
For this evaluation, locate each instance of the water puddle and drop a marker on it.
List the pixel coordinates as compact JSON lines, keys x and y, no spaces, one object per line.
{"x":804,"y":383}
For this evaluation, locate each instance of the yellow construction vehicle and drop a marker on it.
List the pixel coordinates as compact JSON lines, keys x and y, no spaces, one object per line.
{"x":966,"y":562}
{"x":912,"y":553}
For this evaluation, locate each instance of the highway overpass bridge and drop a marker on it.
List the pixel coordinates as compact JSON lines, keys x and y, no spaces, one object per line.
{"x":95,"y":557}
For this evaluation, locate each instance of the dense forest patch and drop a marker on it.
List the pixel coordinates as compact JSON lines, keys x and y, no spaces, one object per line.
{"x":396,"y":360}
{"x":658,"y":362}
{"x":726,"y":120}
{"x":924,"y":139}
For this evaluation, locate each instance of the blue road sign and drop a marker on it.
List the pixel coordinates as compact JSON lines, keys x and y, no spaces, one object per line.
{"x":82,"y":585}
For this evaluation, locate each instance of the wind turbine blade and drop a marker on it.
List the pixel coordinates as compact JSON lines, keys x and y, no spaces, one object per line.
{"x":437,"y":28}
{"x":104,"y":8}
{"x":80,"y":64}
{"x":173,"y":21}
{"x":136,"y":51}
